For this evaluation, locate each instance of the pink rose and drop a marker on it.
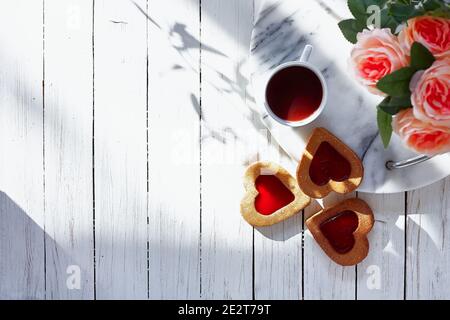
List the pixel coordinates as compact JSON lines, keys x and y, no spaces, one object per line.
{"x":445,"y":55}
{"x":377,"y":54}
{"x":431,"y":93}
{"x":420,"y":136}
{"x":432,"y":32}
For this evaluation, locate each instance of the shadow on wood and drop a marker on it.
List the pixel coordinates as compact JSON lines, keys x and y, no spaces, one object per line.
{"x":23,"y":258}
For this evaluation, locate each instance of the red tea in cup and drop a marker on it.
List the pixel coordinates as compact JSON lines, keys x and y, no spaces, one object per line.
{"x":294,"y":93}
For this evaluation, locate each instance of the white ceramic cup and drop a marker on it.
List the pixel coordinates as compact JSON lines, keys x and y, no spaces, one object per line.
{"x":303,"y":62}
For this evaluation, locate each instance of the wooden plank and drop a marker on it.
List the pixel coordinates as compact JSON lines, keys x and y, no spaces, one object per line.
{"x":381,"y":274}
{"x":21,"y":141}
{"x":324,"y":279}
{"x":428,"y":243}
{"x":278,"y":249}
{"x":174,"y":149}
{"x":227,"y":129}
{"x":68,"y":149}
{"x":120,"y":150}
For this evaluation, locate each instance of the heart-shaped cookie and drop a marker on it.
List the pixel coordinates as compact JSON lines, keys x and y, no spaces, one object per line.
{"x":341,"y":231}
{"x":271,"y":195}
{"x":328,"y":165}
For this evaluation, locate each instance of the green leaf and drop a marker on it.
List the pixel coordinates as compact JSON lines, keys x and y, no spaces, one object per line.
{"x":404,"y":12}
{"x":421,"y":57}
{"x":387,"y":21}
{"x":396,"y":84}
{"x":380,"y":3}
{"x":359,"y":8}
{"x":393,"y":105}
{"x":443,"y":11}
{"x":384,"y":121}
{"x":431,"y":5}
{"x":350,"y":28}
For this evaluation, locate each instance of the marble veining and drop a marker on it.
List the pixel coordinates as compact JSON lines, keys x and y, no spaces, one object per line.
{"x":282,"y":30}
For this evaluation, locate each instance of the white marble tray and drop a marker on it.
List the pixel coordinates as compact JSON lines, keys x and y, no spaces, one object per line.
{"x":281,"y":31}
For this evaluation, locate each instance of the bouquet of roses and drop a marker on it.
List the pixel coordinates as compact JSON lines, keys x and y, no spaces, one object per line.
{"x":402,"y":52}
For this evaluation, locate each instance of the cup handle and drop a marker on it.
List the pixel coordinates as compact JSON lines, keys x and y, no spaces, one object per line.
{"x":306,"y":54}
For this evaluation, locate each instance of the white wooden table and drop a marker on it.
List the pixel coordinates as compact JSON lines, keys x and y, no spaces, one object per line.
{"x":124,"y":132}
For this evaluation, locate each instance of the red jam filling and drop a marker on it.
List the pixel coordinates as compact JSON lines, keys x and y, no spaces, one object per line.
{"x":328,"y":164}
{"x":339,"y":231}
{"x":273,"y":194}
